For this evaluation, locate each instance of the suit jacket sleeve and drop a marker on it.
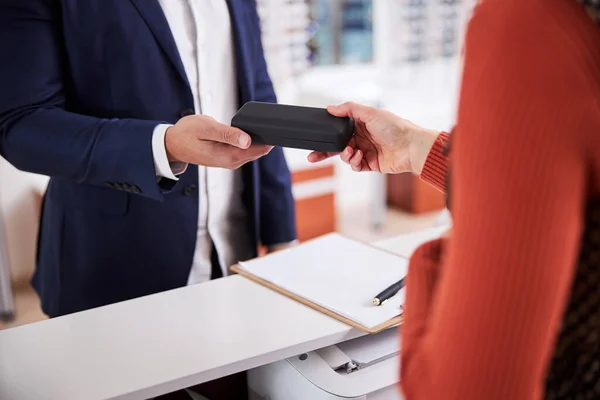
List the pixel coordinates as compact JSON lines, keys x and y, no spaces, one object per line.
{"x":277,"y":214}
{"x":37,"y":133}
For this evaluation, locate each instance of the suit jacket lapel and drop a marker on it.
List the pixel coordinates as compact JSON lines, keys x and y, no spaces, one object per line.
{"x":152,"y":13}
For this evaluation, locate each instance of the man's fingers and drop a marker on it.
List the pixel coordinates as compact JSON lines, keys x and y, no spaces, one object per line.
{"x":242,"y":156}
{"x":353,"y":110}
{"x":226,"y":156}
{"x":257,"y":151}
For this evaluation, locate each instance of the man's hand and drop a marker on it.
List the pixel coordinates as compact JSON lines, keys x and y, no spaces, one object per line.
{"x":200,"y":140}
{"x":382,"y":142}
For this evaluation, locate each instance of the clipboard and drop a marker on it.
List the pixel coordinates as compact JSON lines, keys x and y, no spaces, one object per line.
{"x":396,"y":321}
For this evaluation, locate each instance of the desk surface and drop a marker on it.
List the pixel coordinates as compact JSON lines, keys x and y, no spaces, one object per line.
{"x":164,"y":342}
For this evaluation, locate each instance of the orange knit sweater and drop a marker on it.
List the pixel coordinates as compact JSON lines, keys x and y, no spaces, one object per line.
{"x":484,"y":306}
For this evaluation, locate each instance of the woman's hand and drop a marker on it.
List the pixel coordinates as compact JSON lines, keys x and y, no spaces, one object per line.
{"x":382,"y":142}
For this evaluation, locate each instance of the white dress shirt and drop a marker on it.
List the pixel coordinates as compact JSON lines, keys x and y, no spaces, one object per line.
{"x":202,"y":33}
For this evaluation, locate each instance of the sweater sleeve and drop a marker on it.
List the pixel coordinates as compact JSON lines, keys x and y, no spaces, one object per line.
{"x":481,"y":325}
{"x":436,"y":163}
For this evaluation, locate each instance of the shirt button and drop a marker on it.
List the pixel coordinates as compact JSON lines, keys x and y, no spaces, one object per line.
{"x":190,"y":190}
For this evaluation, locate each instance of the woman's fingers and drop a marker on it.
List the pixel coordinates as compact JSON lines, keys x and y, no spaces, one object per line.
{"x":364,"y":166}
{"x":350,"y":109}
{"x":347,"y":154}
{"x":351,"y":156}
{"x":318,"y":156}
{"x":356,"y":159}
{"x":356,"y":162}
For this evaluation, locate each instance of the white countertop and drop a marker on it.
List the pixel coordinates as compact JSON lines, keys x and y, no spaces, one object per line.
{"x":164,"y":342}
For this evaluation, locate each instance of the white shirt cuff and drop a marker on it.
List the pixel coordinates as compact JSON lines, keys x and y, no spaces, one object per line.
{"x":162,"y":166}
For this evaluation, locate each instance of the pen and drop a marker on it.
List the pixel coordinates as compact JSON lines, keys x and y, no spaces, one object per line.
{"x":389,"y":292}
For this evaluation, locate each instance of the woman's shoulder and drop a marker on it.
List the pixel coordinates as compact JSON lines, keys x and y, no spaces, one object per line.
{"x":553,"y":39}
{"x":540,"y":55}
{"x":561,"y":25}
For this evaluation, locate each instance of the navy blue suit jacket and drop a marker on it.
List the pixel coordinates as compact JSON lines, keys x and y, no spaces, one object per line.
{"x":83,"y":83}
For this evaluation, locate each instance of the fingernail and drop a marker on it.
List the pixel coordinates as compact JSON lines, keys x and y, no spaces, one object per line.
{"x":244,"y":141}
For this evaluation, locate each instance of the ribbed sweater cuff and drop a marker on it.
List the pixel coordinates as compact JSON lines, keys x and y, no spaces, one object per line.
{"x":436,"y":164}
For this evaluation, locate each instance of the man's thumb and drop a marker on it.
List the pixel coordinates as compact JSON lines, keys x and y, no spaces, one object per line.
{"x":236,"y":137}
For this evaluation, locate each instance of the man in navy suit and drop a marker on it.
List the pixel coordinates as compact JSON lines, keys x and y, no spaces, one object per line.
{"x":119,"y":101}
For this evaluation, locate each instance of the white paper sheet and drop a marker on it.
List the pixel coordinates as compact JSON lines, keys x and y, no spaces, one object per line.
{"x":337,"y":273}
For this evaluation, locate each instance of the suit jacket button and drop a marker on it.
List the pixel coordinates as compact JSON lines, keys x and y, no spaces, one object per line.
{"x":186,"y":112}
{"x":190,"y":190}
